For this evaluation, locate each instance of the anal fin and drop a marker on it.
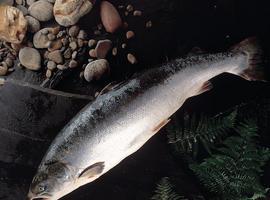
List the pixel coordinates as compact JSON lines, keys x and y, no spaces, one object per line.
{"x":161,"y":125}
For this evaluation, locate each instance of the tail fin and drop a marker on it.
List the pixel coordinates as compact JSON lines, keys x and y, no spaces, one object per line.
{"x":254,"y":69}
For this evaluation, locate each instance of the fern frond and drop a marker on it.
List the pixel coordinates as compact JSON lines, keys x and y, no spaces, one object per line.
{"x":235,"y":173}
{"x":164,"y":191}
{"x":205,"y":131}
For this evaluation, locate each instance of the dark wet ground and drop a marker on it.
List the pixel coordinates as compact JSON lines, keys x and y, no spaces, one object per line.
{"x":30,"y":118}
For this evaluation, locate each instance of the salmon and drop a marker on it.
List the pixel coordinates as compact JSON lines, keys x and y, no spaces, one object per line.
{"x":118,"y":123}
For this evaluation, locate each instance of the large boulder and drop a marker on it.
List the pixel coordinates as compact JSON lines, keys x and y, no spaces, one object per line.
{"x":69,"y":12}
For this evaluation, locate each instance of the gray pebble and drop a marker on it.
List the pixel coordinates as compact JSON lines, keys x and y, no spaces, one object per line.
{"x":80,"y":42}
{"x":7,"y":2}
{"x":51,"y":36}
{"x":102,"y":48}
{"x":51,"y":65}
{"x":96,"y":69}
{"x":33,"y":24}
{"x":131,"y":58}
{"x":9,"y":62}
{"x":30,"y":2}
{"x":74,"y":55}
{"x":61,"y":67}
{"x":45,"y":31}
{"x":41,"y":10}
{"x":3,"y":70}
{"x":73,"y":45}
{"x":19,"y":2}
{"x":68,"y":53}
{"x":30,"y":58}
{"x":11,"y":69}
{"x":48,"y":73}
{"x":91,"y":43}
{"x":73,"y":64}
{"x":23,"y":9}
{"x":73,"y":31}
{"x":82,"y":35}
{"x":56,"y":56}
{"x":40,"y":39}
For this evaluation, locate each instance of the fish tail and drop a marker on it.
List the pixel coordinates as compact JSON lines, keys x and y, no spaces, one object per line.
{"x":253,"y":70}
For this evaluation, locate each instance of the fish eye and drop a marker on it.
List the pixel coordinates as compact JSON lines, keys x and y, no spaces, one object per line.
{"x":41,"y":188}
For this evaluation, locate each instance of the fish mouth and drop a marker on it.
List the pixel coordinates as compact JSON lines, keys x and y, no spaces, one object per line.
{"x":31,"y":197}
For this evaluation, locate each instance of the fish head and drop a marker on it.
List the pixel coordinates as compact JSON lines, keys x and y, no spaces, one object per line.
{"x":52,"y":182}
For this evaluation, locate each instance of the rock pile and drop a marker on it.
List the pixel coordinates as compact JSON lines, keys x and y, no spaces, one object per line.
{"x":62,"y":44}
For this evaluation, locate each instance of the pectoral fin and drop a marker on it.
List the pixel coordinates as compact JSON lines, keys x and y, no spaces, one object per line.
{"x":93,"y":170}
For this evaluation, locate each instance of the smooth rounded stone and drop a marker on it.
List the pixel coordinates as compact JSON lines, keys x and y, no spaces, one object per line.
{"x":110,"y":17}
{"x":69,"y":12}
{"x":96,"y":69}
{"x":130,"y":34}
{"x":124,"y":45}
{"x":9,"y":62}
{"x":55,"y":45}
{"x":56,"y":56}
{"x":30,"y":2}
{"x":48,"y":73}
{"x":102,"y":48}
{"x":19,"y":2}
{"x":11,"y":69}
{"x":23,"y":9}
{"x":61,"y":67}
{"x":80,"y":43}
{"x":129,"y":8}
{"x":51,"y":36}
{"x":137,"y":13}
{"x":13,"y":25}
{"x":45,"y":55}
{"x":131,"y":58}
{"x":82,"y":35}
{"x":30,"y":58}
{"x":33,"y":24}
{"x":149,"y":24}
{"x":93,"y":53}
{"x":3,"y":69}
{"x":73,"y":45}
{"x":92,"y":43}
{"x":55,"y":30}
{"x":41,"y":40}
{"x":7,"y":2}
{"x":51,"y":65}
{"x":114,"y":51}
{"x":125,"y":25}
{"x":68,"y":53}
{"x":73,"y":31}
{"x":41,"y":10}
{"x":73,"y":64}
{"x":74,"y":55}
